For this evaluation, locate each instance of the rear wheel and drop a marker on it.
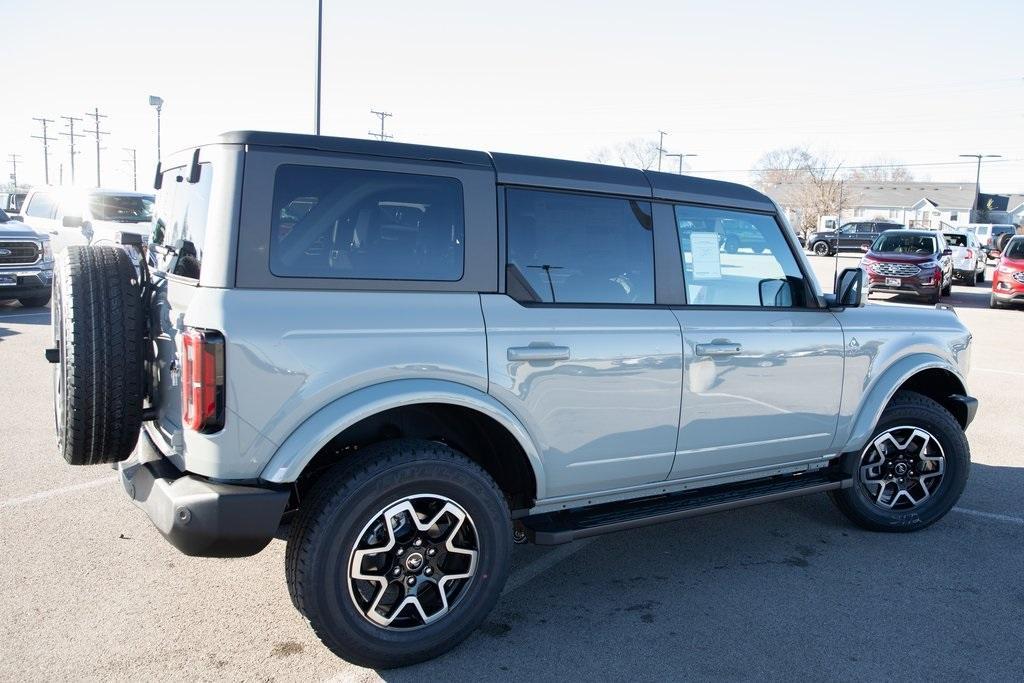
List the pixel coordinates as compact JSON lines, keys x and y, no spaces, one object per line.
{"x":98,"y":333}
{"x":397,"y":555}
{"x":948,"y":288}
{"x":912,"y":470}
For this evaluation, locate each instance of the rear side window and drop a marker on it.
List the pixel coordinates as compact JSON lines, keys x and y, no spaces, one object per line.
{"x":569,"y":248}
{"x":735,"y":258}
{"x":179,"y":222}
{"x":372,"y":225}
{"x":43,"y":205}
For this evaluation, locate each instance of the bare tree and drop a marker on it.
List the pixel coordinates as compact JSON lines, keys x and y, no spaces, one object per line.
{"x":807,"y":184}
{"x":882,"y":171}
{"x":636,"y":153}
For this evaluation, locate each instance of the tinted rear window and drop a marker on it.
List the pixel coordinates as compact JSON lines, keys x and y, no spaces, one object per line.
{"x":179,"y":222}
{"x":368,"y":225}
{"x":571,"y":248}
{"x":955,"y":240}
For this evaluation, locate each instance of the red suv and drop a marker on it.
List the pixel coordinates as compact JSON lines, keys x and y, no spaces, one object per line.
{"x":1008,"y":280}
{"x":914,"y":262}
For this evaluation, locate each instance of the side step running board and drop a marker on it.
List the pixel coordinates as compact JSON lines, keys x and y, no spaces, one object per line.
{"x":567,"y":525}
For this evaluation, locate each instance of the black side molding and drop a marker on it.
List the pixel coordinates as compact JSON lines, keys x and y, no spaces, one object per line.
{"x":568,"y":525}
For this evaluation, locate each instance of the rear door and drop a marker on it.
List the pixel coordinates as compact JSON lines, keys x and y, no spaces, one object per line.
{"x":762,"y":364}
{"x":578,"y":348}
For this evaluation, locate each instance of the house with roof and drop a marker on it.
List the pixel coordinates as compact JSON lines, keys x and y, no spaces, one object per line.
{"x":915,"y":204}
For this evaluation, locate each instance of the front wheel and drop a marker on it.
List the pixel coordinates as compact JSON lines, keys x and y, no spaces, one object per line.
{"x":397,"y":555}
{"x":912,"y":470}
{"x":821,"y":248}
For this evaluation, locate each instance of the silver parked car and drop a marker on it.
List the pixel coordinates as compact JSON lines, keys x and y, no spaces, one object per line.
{"x":420,"y":355}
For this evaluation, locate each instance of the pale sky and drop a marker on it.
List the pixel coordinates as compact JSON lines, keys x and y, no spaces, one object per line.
{"x":915,"y":82}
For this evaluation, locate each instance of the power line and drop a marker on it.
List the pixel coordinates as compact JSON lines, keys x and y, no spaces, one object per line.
{"x":69,"y":121}
{"x":13,"y":158}
{"x":381,"y":135}
{"x":46,"y":146}
{"x":96,"y":116}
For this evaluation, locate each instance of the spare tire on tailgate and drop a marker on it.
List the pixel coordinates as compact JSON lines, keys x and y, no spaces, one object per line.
{"x":98,"y":329}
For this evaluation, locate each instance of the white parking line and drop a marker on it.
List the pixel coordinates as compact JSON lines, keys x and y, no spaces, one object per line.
{"x":543,"y":563}
{"x":42,"y":495}
{"x":990,"y":515}
{"x":1002,"y":372}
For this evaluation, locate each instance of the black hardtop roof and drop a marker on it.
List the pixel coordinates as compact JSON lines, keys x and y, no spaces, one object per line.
{"x":517,"y":169}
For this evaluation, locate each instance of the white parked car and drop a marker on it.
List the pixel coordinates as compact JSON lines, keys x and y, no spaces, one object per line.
{"x":968,"y":256}
{"x":87,"y":217}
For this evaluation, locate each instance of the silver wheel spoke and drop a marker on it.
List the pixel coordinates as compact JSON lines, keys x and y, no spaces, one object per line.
{"x":902,"y":468}
{"x":412,"y":578}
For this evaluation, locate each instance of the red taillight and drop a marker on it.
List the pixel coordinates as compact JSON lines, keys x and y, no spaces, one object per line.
{"x":202,"y":380}
{"x":970,"y":253}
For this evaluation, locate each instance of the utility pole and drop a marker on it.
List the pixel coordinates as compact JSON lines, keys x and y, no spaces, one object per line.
{"x":46,"y":146}
{"x":977,"y":178}
{"x":681,"y":157}
{"x":131,"y":160}
{"x":381,"y":136}
{"x":71,"y":134}
{"x":661,"y":146}
{"x":96,"y":116}
{"x":14,"y":169}
{"x":319,"y":62}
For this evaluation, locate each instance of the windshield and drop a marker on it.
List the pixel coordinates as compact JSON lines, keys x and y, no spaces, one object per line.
{"x":956,"y":240}
{"x":121,"y":208}
{"x":904,"y":243}
{"x":1015,"y":250}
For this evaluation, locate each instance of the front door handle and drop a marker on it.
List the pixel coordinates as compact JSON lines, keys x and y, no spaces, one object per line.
{"x":527,"y":353}
{"x":719,"y":349}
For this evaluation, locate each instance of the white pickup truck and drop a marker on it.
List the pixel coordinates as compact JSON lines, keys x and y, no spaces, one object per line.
{"x":86,"y":217}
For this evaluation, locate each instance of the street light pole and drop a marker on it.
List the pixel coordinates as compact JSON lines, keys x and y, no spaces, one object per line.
{"x":977,"y":177}
{"x":158,"y":103}
{"x":319,"y":62}
{"x":680,"y":157}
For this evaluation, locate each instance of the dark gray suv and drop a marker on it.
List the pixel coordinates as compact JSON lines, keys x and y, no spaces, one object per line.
{"x":849,"y":237}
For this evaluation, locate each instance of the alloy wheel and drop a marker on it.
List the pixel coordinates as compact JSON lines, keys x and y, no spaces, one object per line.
{"x":413,"y":562}
{"x":902,"y":468}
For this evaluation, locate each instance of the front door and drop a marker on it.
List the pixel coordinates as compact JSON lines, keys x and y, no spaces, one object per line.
{"x":762,"y":366}
{"x":577,"y":349}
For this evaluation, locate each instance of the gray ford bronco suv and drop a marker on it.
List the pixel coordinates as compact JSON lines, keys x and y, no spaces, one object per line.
{"x":408,"y":358}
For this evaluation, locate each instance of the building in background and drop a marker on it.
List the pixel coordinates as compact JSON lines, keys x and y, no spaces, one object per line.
{"x":915,"y":204}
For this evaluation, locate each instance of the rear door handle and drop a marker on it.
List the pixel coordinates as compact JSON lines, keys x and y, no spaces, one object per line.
{"x":527,"y":353}
{"x":719,"y":349}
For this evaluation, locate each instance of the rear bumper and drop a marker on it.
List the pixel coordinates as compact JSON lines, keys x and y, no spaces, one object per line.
{"x":200,"y":517}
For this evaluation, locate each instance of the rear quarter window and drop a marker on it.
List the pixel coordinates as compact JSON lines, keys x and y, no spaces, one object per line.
{"x":369,"y":225}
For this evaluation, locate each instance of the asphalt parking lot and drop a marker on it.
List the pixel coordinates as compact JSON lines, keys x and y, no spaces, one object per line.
{"x":91,"y":591}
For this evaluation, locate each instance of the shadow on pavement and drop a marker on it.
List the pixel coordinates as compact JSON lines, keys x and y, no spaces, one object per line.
{"x":763,"y":593}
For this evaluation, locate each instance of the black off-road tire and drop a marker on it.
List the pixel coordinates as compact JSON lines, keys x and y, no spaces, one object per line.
{"x":98,"y":332}
{"x":908,"y":408}
{"x":328,"y":526}
{"x":34,"y":301}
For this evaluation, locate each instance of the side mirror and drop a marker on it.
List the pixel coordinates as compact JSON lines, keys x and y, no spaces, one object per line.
{"x":775,"y":293}
{"x":865,"y":247}
{"x":852,"y":287}
{"x":72,"y":222}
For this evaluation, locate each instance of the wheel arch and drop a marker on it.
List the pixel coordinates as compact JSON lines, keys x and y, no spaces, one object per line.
{"x":924,"y":373}
{"x":334,"y":420}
